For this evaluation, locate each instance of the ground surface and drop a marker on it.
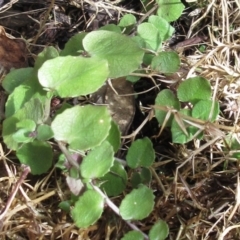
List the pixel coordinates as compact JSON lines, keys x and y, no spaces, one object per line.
{"x":203,"y":202}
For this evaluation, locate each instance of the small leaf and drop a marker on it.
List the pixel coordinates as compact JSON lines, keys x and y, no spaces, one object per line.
{"x":138,"y":204}
{"x":47,"y":54}
{"x":44,"y":132}
{"x":88,"y":209}
{"x":127,"y":20}
{"x":74,"y":45}
{"x":168,"y":99}
{"x":170,"y":10}
{"x":24,"y":128}
{"x":140,"y":153}
{"x":133,"y":235}
{"x":164,"y":28}
{"x":194,"y":89}
{"x":65,"y":206}
{"x":15,"y":78}
{"x":82,"y":127}
{"x":122,"y":53}
{"x":150,"y":34}
{"x":159,"y":231}
{"x":37,"y":155}
{"x":114,"y":182}
{"x":202,"y":109}
{"x":73,"y":76}
{"x":166,"y":62}
{"x":114,"y":136}
{"x":98,"y":162}
{"x":28,"y":90}
{"x":32,"y":110}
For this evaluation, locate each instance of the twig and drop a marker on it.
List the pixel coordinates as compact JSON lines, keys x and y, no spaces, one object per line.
{"x":67,"y":154}
{"x":25,"y":172}
{"x":44,"y":21}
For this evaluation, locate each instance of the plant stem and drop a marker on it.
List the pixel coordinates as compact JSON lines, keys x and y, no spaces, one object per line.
{"x":67,"y":155}
{"x":25,"y":172}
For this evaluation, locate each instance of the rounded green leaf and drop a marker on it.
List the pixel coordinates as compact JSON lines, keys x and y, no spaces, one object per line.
{"x":140,"y":153}
{"x":194,"y":89}
{"x":98,"y":162}
{"x":163,"y":26}
{"x":74,"y":45}
{"x":37,"y":155}
{"x":65,"y":206}
{"x":122,"y":53}
{"x":202,"y":109}
{"x":150,"y":34}
{"x":133,"y":235}
{"x":166,"y":62}
{"x":88,"y":209}
{"x":114,"y":182}
{"x":138,"y":204}
{"x":159,"y":231}
{"x":114,"y":136}
{"x":168,"y":99}
{"x":170,"y":10}
{"x":44,"y":132}
{"x":15,"y":78}
{"x":82,"y":127}
{"x":73,"y":76}
{"x":127,"y":20}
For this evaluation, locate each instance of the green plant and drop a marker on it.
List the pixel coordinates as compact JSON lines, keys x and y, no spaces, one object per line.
{"x":189,"y":122}
{"x":86,"y":135}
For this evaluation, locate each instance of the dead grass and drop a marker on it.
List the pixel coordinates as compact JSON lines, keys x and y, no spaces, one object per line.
{"x":196,"y":185}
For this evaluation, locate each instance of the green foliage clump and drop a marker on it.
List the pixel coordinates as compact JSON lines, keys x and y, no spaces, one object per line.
{"x":88,"y":132}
